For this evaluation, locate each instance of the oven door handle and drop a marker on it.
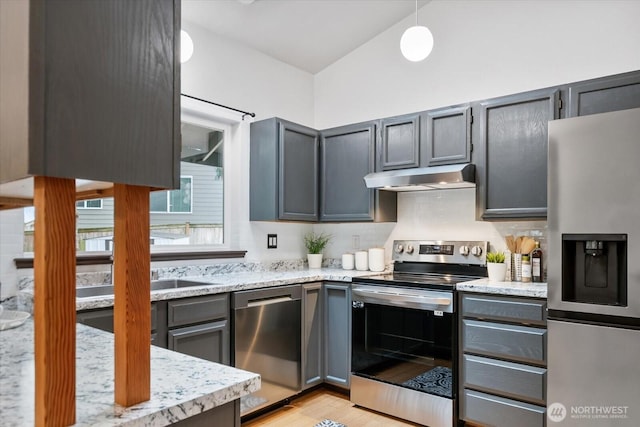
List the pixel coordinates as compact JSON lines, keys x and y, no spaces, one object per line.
{"x":400,"y":297}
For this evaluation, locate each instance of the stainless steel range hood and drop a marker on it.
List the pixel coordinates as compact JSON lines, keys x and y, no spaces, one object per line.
{"x":429,"y":178}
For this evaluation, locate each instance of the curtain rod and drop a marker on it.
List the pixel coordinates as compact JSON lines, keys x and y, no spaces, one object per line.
{"x":244,"y":113}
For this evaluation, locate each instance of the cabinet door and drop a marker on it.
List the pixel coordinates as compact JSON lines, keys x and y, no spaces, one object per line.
{"x":103,"y":319}
{"x":337,"y":334}
{"x":446,"y":136}
{"x":605,"y":94}
{"x":112,"y":105}
{"x":209,"y":341}
{"x":399,"y":143}
{"x":298,"y":172}
{"x":100,"y":319}
{"x":311,"y":334}
{"x":511,"y":160}
{"x":347,"y":155}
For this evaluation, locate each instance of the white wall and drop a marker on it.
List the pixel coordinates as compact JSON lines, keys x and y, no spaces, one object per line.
{"x":227,"y":73}
{"x":482,"y":49}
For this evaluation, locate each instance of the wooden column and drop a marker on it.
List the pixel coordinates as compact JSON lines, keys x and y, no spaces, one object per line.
{"x":132,"y":304}
{"x":55,"y":301}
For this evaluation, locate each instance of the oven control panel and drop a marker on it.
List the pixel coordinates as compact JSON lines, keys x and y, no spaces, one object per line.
{"x":441,"y":251}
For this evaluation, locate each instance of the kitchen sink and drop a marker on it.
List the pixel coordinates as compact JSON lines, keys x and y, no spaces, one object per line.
{"x":156,"y":285}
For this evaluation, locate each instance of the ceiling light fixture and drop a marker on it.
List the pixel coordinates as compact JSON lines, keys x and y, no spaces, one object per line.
{"x":186,"y":47}
{"x":416,"y":42}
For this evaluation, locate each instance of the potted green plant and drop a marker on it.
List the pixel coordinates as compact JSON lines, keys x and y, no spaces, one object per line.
{"x":315,"y":244}
{"x":496,"y":267}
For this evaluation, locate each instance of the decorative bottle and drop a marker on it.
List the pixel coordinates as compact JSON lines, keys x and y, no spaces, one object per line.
{"x":526,"y":269}
{"x":536,"y":263}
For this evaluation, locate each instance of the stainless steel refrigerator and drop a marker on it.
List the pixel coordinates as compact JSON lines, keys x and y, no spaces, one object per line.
{"x":594,"y":271}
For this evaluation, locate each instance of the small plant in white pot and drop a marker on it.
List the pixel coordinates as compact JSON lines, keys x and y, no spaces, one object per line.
{"x":496,"y":267}
{"x":315,"y":244}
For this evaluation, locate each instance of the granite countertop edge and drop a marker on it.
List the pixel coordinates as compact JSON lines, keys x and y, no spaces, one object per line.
{"x":181,"y":386}
{"x":232,"y":282}
{"x":534,"y":290}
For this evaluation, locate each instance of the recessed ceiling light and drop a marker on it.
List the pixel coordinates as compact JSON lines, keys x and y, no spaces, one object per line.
{"x":246,"y":1}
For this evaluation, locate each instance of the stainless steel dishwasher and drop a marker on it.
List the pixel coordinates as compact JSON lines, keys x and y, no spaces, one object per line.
{"x":267,"y":340}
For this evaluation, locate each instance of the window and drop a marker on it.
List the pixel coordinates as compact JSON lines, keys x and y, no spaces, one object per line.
{"x":89,"y":204}
{"x":174,"y":201}
{"x":181,"y":219}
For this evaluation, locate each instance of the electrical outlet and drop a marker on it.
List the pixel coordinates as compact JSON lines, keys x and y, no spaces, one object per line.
{"x":355,"y":242}
{"x":272,"y":241}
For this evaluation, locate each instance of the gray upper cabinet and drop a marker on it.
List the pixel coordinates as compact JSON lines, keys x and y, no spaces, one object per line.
{"x":511,"y":154}
{"x":399,"y":143}
{"x":446,"y":136}
{"x":92,"y":91}
{"x":612,"y":93}
{"x":284,"y":171}
{"x":347,"y":154}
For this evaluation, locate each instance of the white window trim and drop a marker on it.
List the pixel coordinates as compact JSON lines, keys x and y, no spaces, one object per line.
{"x":168,"y":211}
{"x":84,"y":202}
{"x":210,"y":116}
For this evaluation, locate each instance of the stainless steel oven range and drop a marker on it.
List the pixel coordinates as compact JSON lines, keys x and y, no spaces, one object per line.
{"x":404,"y":331}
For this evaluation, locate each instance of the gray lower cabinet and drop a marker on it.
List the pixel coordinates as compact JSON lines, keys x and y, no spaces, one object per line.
{"x":337,"y":333}
{"x":312,"y":334}
{"x":102,"y":319}
{"x":283,"y":171}
{"x":199,"y":326}
{"x":227,"y":415}
{"x":511,"y":154}
{"x":445,"y":136}
{"x":347,"y":154}
{"x":602,"y":95}
{"x":399,"y":143}
{"x":503,"y":357}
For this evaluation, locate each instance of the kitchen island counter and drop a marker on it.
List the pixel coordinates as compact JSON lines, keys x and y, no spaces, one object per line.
{"x":181,"y":386}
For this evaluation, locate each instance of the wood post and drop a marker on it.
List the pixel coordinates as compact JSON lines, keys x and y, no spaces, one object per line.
{"x":132,"y":304}
{"x":55,"y":301}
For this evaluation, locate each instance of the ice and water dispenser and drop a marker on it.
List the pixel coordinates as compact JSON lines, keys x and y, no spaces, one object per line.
{"x":594,"y":268}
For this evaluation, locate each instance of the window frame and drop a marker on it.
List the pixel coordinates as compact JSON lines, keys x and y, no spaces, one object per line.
{"x":84,"y":203}
{"x":168,"y":194}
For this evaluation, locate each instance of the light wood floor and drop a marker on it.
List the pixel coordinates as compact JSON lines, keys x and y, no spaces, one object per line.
{"x":322,"y":404}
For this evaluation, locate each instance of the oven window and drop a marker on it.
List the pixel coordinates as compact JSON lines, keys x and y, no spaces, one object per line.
{"x":405,"y":347}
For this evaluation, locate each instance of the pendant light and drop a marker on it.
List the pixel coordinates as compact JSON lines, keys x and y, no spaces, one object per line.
{"x":186,"y":46}
{"x":416,"y":42}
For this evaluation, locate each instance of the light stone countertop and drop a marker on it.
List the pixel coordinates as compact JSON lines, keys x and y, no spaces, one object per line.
{"x":231,"y":282}
{"x":534,"y":290}
{"x":181,"y":386}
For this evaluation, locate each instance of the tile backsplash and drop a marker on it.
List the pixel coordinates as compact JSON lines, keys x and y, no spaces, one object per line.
{"x":450,"y":215}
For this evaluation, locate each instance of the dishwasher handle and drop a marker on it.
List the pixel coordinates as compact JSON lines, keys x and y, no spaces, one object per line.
{"x":268,"y":301}
{"x":265,"y":296}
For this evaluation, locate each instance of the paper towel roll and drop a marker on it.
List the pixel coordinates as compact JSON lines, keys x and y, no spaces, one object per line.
{"x":362,"y":260}
{"x":376,"y":259}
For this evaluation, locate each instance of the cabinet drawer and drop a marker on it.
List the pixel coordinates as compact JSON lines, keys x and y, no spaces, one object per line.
{"x":209,"y":341}
{"x":199,"y":309}
{"x":521,"y":343}
{"x":505,"y":378}
{"x":495,"y":411}
{"x":515,"y":309}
